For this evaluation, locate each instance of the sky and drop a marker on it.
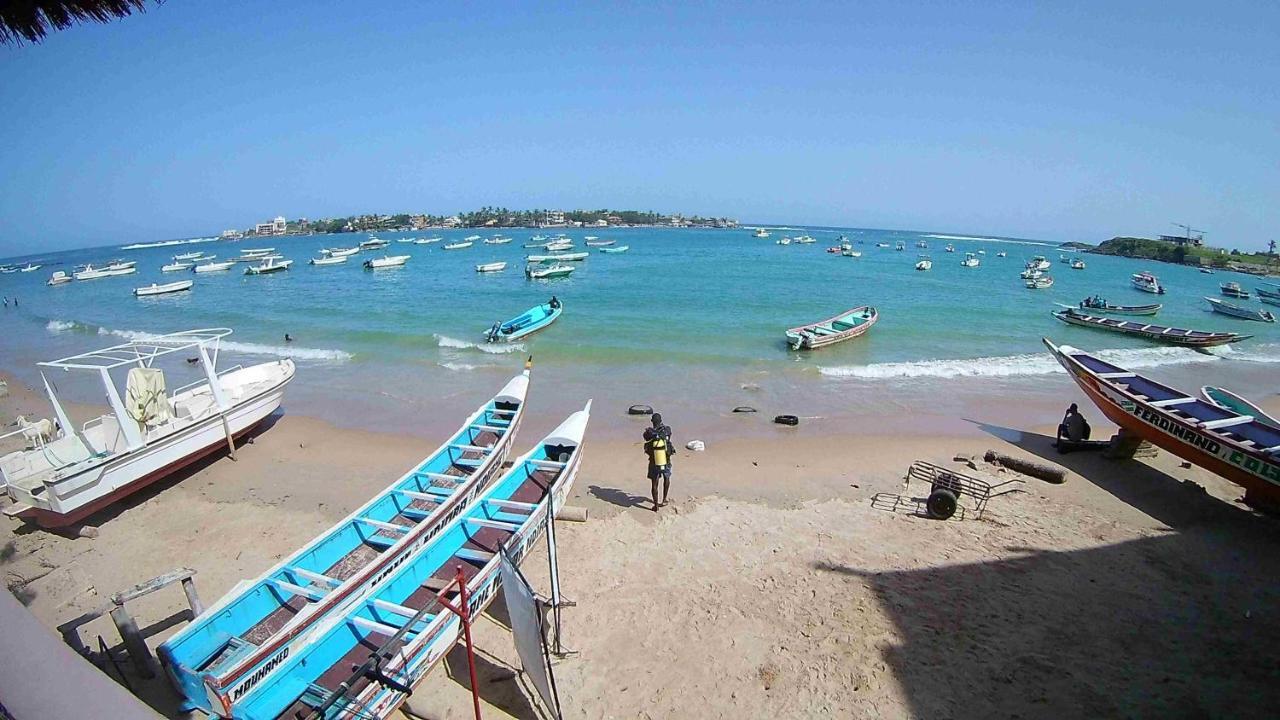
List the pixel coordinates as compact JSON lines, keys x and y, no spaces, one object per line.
{"x":1059,"y":121}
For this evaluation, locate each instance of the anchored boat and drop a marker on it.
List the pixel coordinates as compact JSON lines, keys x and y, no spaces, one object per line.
{"x":536,"y":272}
{"x":389,"y":261}
{"x":558,"y":257}
{"x":459,"y":245}
{"x":1233,"y":290}
{"x":1146,"y":282}
{"x":525,"y":324}
{"x":1156,"y":333}
{"x":615,"y":250}
{"x":491,"y":267}
{"x":176,"y":266}
{"x":1244,"y":313}
{"x":845,"y":326}
{"x":148,"y":434}
{"x":1100,"y":305}
{"x":58,"y":278}
{"x":213,"y":267}
{"x":331,"y":260}
{"x":600,"y":243}
{"x":401,"y":630}
{"x":227,"y":651}
{"x":271,"y":264}
{"x":1236,"y":446}
{"x":158,"y":289}
{"x":1269,"y":297}
{"x":1043,"y":282}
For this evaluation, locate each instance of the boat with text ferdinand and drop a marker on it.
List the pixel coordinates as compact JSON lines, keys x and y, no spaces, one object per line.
{"x":402,"y":630}
{"x":244,"y":637}
{"x":149,"y":432}
{"x":536,"y":318}
{"x":1098,"y":304}
{"x":1155,"y":333}
{"x":845,"y":326}
{"x":1224,"y":398}
{"x":1236,"y":446}
{"x":158,"y":289}
{"x":1244,"y":313}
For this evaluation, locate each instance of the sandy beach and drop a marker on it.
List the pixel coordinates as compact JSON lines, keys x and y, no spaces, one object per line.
{"x":770,"y":586}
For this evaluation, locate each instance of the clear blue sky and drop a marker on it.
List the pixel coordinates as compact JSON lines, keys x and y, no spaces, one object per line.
{"x":1057,"y":120}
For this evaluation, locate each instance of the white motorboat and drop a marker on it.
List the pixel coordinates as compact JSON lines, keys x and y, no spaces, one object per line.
{"x":471,"y":238}
{"x":922,"y":244}
{"x":783,"y":241}
{"x":122,"y":264}
{"x":339,"y":252}
{"x":1030,"y":274}
{"x":491,"y":267}
{"x":899,"y":246}
{"x":1002,"y":254}
{"x":176,"y":266}
{"x":882,"y":245}
{"x":388,"y":261}
{"x":459,"y":245}
{"x":970,"y":260}
{"x":374,"y":243}
{"x":158,"y":289}
{"x":592,"y":242}
{"x":427,"y":241}
{"x":497,"y":241}
{"x":762,"y":233}
{"x":924,"y":263}
{"x":213,"y":267}
{"x":1039,"y":263}
{"x":589,"y":238}
{"x":148,"y":434}
{"x":189,"y":256}
{"x":331,"y":260}
{"x":251,"y":252}
{"x":850,"y":252}
{"x":59,"y":278}
{"x":271,"y":264}
{"x":557,"y":245}
{"x":1040,"y":283}
{"x":804,"y":240}
{"x":408,"y":240}
{"x":1077,"y":264}
{"x":559,"y":257}
{"x":950,"y":248}
{"x":537,"y":272}
{"x":30,"y":268}
{"x":1147,"y":282}
{"x":89,"y":272}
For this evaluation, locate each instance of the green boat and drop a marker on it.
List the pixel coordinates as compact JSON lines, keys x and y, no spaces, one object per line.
{"x":1228,"y":400}
{"x":845,"y":326}
{"x":614,"y":250}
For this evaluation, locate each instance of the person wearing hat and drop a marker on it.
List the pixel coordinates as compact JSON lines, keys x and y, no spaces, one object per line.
{"x":657,"y":445}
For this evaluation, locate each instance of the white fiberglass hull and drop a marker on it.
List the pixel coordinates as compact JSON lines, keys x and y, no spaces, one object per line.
{"x":65,"y":500}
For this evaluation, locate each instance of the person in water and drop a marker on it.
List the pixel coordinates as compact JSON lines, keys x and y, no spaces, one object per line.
{"x":657,"y":445}
{"x":288,"y":338}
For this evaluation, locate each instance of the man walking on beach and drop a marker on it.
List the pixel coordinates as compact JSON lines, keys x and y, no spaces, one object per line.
{"x":657,"y":445}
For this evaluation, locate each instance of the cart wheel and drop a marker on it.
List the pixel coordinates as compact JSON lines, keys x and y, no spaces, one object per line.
{"x":941,"y":504}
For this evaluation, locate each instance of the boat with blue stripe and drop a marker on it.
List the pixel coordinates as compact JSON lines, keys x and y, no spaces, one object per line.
{"x":525,"y":324}
{"x":363,"y":662}
{"x":239,"y":641}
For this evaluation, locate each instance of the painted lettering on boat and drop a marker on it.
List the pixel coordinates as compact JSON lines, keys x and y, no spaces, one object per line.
{"x":263,"y":670}
{"x":426,"y":537}
{"x":1250,"y":464}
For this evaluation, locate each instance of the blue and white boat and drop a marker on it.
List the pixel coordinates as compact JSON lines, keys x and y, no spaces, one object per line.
{"x":238,"y":642}
{"x":395,"y":636}
{"x":525,"y":324}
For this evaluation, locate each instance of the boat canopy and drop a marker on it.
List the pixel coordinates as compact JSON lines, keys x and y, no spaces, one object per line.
{"x":142,"y":352}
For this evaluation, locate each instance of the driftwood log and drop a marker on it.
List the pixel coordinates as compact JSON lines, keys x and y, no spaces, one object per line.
{"x":1043,"y":471}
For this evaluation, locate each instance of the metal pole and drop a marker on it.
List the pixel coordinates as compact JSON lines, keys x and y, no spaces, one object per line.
{"x":553,"y":569}
{"x":133,"y":642}
{"x":189,"y":587}
{"x":465,"y":614}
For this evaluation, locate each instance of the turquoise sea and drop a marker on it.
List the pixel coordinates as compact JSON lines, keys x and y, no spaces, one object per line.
{"x":687,"y":318}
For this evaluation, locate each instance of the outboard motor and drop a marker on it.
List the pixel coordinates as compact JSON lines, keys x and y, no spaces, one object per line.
{"x":492,"y":335}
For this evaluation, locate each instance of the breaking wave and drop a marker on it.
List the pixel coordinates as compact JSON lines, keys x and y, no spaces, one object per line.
{"x":445,"y":341}
{"x":60,"y":326}
{"x":1043,"y":364}
{"x":246,"y":348}
{"x":458,"y":367}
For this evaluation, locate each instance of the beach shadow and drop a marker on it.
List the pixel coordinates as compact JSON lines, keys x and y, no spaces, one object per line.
{"x":1153,"y":627}
{"x":1174,"y":502}
{"x":621,"y":498}
{"x":498,"y":683}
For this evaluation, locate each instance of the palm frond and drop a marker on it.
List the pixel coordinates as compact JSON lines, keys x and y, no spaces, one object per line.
{"x":32,"y":20}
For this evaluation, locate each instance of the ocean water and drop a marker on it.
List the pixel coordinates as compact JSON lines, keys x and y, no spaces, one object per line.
{"x":688,"y":319}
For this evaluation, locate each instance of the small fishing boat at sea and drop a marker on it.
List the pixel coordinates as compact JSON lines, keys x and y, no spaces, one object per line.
{"x":599,"y":243}
{"x":58,"y":278}
{"x":845,"y":326}
{"x":1077,"y":264}
{"x":924,"y":264}
{"x":89,"y":272}
{"x":29,"y":268}
{"x":331,"y":260}
{"x":1002,"y":254}
{"x":222,"y":654}
{"x":1146,"y":282}
{"x":899,"y":246}
{"x":558,"y":245}
{"x":536,"y":318}
{"x":850,"y":252}
{"x":1041,"y":283}
{"x":1147,"y":331}
{"x":922,"y":244}
{"x":213,"y":267}
{"x":1239,"y":447}
{"x":400,"y":629}
{"x":1038,"y":263}
{"x":1270,"y":297}
{"x":949,"y":248}
{"x":1098,"y":304}
{"x":497,"y":241}
{"x":158,"y":289}
{"x":1206,"y":271}
{"x":340,"y":252}
{"x":374,"y":243}
{"x":1233,"y":290}
{"x":406,"y":241}
{"x":615,"y":250}
{"x":427,"y":241}
{"x":1228,"y":400}
{"x":177,"y":267}
{"x":491,"y":267}
{"x":762,"y":233}
{"x":784,"y":241}
{"x":269,"y":265}
{"x":540,"y":272}
{"x":559,"y":257}
{"x":459,"y":245}
{"x":1031,"y":274}
{"x":882,"y":245}
{"x":471,"y":238}
{"x":970,"y":260}
{"x":251,"y":252}
{"x":387,"y":261}
{"x":1244,"y":313}
{"x":804,"y":240}
{"x":148,"y":434}
{"x":196,"y":255}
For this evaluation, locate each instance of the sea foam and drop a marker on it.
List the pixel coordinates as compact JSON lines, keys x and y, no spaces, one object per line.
{"x":445,"y":341}
{"x":290,"y":351}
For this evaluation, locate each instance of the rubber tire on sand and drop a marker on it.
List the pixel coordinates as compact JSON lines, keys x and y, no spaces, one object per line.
{"x":787,"y":420}
{"x":744,"y":409}
{"x":941,"y":504}
{"x":640,"y":410}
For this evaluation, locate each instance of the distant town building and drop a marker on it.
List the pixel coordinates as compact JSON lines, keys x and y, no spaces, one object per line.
{"x":554,"y":217}
{"x":1192,"y":240}
{"x":275,"y":227}
{"x":600,"y":223}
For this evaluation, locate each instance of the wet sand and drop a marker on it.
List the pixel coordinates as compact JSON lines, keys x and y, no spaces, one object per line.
{"x":770,"y":586}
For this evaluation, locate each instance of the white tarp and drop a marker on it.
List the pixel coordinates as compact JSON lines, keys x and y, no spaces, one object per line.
{"x":526,"y":629}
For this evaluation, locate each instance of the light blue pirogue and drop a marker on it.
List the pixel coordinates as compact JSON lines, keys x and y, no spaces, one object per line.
{"x":402,"y":623}
{"x":525,"y":324}
{"x":231,"y":647}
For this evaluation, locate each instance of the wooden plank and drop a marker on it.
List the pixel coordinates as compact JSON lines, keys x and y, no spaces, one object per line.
{"x":397,"y":609}
{"x":1227,"y":422}
{"x":476,"y":555}
{"x":384,"y":525}
{"x":1172,"y":401}
{"x":425,"y":497}
{"x":513,"y":505}
{"x":306,"y":592}
{"x":314,"y":576}
{"x":496,"y":524}
{"x":372,"y":626}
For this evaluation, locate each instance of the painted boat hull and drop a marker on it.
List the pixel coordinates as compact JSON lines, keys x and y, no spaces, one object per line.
{"x":812,"y":341}
{"x":548,"y":316}
{"x":1258,"y":474}
{"x":1156,"y":334}
{"x":1124,"y":309}
{"x":1228,"y":400}
{"x":72,"y":498}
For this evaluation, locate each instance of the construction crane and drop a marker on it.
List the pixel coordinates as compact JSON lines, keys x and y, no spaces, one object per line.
{"x":1189,"y":230}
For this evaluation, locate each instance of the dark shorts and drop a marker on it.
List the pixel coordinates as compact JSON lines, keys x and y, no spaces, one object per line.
{"x":659,"y":471}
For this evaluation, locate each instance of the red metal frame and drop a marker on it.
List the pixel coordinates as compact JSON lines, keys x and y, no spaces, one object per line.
{"x":463,"y":612}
